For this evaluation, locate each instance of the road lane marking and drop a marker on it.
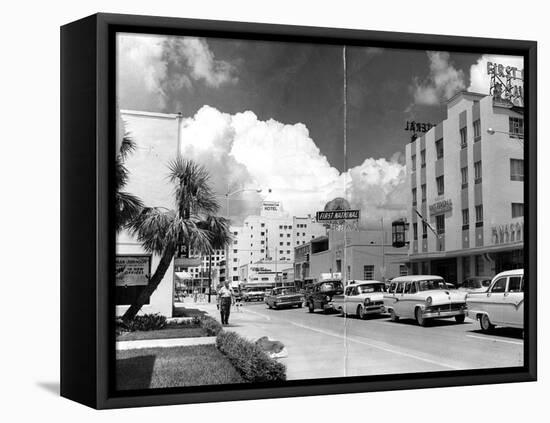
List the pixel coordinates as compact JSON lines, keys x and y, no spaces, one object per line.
{"x":496,"y":340}
{"x":390,"y":350}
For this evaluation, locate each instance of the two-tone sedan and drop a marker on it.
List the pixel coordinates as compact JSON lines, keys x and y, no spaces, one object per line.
{"x":361,"y":298}
{"x":424,"y":297}
{"x":501,"y":304}
{"x":284,"y":297}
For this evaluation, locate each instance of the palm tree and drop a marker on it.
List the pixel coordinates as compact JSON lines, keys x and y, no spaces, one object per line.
{"x":192,"y":223}
{"x":127,"y":205}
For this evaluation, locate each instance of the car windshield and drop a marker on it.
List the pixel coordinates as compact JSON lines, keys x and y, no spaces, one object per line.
{"x":431,"y":284}
{"x":330,"y":286}
{"x":480,"y":283}
{"x":372,"y":287}
{"x":284,"y":291}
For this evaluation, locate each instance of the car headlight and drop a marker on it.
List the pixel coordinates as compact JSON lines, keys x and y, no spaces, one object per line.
{"x":367,"y":301}
{"x":328,"y":298}
{"x":429,"y":300}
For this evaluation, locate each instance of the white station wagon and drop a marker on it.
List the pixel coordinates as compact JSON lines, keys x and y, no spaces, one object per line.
{"x":501,"y":304}
{"x":424,"y":297}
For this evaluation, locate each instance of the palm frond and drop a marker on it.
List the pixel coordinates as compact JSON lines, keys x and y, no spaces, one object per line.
{"x":193,"y":192}
{"x":127,"y":146}
{"x":152,"y":228}
{"x":220,"y":233}
{"x":128,"y":206}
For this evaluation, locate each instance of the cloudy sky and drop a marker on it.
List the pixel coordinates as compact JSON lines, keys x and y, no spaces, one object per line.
{"x":271,"y":114}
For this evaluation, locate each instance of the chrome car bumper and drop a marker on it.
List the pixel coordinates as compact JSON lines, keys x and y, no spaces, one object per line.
{"x":450,"y":313}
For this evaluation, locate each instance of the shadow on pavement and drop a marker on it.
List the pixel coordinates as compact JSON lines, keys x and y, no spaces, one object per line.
{"x":502,"y":332}
{"x":433,"y":323}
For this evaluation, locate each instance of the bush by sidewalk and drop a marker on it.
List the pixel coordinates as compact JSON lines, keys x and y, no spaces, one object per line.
{"x":252,"y":363}
{"x":210,"y":325}
{"x":145,"y":322}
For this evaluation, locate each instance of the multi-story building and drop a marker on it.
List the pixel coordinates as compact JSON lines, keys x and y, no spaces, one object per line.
{"x":198,"y":268}
{"x":365,"y":254}
{"x":466,"y":191}
{"x":269,"y":237}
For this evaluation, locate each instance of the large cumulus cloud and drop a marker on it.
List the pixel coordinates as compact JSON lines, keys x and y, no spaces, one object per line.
{"x":241,"y":151}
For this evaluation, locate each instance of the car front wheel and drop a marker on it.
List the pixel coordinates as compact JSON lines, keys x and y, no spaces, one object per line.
{"x":485,"y":323}
{"x":393,"y":317}
{"x":361,"y":312}
{"x":419,"y":318}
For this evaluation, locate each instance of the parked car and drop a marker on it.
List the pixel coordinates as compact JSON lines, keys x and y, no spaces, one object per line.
{"x":424,"y":297}
{"x":361,"y":298}
{"x":281,"y":297}
{"x":321,"y":293}
{"x":475,"y":284}
{"x":501,"y":304}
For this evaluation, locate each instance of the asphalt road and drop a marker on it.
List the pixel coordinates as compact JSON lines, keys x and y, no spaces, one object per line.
{"x":321,"y":346}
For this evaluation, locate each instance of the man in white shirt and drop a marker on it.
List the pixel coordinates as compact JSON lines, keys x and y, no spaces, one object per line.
{"x":225,"y":300}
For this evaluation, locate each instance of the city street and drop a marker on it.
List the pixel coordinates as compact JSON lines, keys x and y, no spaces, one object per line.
{"x":322,"y":345}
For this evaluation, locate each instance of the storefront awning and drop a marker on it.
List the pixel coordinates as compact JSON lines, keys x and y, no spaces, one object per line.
{"x":183,"y":275}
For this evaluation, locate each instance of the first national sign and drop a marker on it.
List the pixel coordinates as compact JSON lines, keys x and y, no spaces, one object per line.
{"x":323,"y":216}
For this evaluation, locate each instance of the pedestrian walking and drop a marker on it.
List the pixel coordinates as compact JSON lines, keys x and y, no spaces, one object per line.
{"x":225,"y":301}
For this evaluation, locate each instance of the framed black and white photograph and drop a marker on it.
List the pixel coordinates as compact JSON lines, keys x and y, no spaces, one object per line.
{"x":281,"y":211}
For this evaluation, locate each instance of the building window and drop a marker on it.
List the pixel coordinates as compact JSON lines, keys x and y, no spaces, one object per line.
{"x":413,"y":158}
{"x":262,"y":225}
{"x":280,"y":243}
{"x":424,"y":230}
{"x":280,"y":235}
{"x":288,"y":251}
{"x":440,"y":224}
{"x":235,"y":233}
{"x":439,"y":148}
{"x":414,"y":196}
{"x":464,"y":176}
{"x":235,"y":251}
{"x":516,"y":170}
{"x":280,"y":251}
{"x":235,"y":242}
{"x":415,"y":231}
{"x":440,"y":185}
{"x":368,"y":272}
{"x":423,"y":191}
{"x":479,"y":215}
{"x":235,"y":259}
{"x":288,"y":243}
{"x":262,"y":251}
{"x":288,"y":235}
{"x":289,"y":226}
{"x":477,"y":130}
{"x":403,"y":271}
{"x":465,"y":219}
{"x":423,"y":158}
{"x":517,"y":209}
{"x":280,"y":226}
{"x":516,"y":127}
{"x":262,"y":233}
{"x":480,"y":266}
{"x":234,"y":269}
{"x":463,"y":137}
{"x":477,"y":172}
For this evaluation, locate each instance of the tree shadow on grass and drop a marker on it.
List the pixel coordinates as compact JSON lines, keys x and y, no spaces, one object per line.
{"x":179,"y":311}
{"x":134,"y":372}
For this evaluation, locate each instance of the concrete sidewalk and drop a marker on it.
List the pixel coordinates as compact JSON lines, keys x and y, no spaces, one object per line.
{"x":165,"y":343}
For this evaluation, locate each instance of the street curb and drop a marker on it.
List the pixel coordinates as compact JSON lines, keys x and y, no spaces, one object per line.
{"x":165,"y":343}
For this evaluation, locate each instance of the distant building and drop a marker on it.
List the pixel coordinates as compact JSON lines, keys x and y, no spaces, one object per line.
{"x":356,"y":255}
{"x":468,"y":185}
{"x":269,"y":237}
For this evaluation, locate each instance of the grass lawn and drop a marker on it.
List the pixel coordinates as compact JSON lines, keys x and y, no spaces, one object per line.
{"x":169,"y":367}
{"x":172,"y":331}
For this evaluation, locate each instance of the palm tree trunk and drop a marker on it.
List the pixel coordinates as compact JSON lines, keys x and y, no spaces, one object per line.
{"x":209,"y":277}
{"x":154,"y":282}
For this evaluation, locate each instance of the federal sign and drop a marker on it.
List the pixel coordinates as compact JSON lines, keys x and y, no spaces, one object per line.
{"x":325,"y":216}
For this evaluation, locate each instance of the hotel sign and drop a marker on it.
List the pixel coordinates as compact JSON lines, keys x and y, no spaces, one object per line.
{"x":271,"y":206}
{"x":325,"y":216}
{"x":441,"y":206}
{"x":415,"y":127}
{"x":132,"y":270}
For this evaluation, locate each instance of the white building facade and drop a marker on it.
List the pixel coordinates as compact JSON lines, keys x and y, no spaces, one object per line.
{"x":466,"y":180}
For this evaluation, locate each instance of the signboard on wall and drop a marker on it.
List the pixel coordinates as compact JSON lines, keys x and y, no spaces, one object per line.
{"x":324,"y":216}
{"x":132,"y":270}
{"x":441,"y":206}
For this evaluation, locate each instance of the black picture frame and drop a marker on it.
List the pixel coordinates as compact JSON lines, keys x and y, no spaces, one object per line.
{"x":87,"y":235}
